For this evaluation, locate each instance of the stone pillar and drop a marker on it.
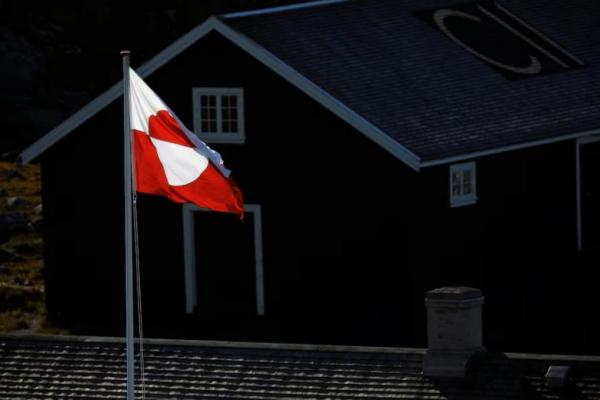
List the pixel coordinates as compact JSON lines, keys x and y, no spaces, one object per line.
{"x":454,"y":331}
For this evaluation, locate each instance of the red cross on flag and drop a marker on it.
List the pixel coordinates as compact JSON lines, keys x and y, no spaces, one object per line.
{"x":171,"y":161}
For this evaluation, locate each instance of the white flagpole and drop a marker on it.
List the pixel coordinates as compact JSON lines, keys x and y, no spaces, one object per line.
{"x":128,"y":229}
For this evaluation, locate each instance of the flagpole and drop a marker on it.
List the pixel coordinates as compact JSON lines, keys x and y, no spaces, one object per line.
{"x":128,"y":229}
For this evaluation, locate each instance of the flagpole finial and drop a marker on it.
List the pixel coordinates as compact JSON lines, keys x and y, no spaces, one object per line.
{"x":125,"y":53}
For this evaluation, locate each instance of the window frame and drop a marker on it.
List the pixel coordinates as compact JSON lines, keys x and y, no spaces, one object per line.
{"x":219,"y":136}
{"x":462,"y":199}
{"x":189,"y":256}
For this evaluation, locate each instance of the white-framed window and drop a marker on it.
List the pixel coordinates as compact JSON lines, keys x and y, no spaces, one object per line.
{"x":219,"y":114}
{"x":463,"y":184}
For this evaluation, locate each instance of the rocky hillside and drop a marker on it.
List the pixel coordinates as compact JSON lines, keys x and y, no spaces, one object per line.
{"x":21,"y":262}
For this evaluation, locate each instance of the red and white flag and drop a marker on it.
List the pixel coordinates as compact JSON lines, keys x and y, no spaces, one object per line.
{"x":171,"y":161}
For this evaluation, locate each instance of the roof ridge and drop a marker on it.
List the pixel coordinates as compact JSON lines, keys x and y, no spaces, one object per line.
{"x":281,"y":346}
{"x":273,"y":10}
{"x":218,"y":343}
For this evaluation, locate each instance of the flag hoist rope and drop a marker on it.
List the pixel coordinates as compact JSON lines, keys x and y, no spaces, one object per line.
{"x":138,"y":280}
{"x":131,"y":234}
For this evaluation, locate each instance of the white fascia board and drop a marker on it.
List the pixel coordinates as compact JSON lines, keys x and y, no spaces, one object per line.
{"x":64,"y":128}
{"x":255,"y":50}
{"x":590,"y":139}
{"x":288,"y":73}
{"x":273,"y":10}
{"x":505,"y":149}
{"x":114,"y":92}
{"x":320,"y":95}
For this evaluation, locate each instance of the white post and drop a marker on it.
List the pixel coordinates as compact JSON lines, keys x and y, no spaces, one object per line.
{"x":128,"y":229}
{"x":189,"y":258}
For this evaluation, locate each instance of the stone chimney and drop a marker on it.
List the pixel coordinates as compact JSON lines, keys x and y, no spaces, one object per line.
{"x":453,"y":330}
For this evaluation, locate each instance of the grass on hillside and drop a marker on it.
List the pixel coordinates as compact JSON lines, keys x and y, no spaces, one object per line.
{"x":22,"y":306}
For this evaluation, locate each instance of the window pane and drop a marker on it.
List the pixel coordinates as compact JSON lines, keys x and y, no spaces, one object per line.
{"x":204,"y":126}
{"x":234,"y":126}
{"x":467,"y":189}
{"x":225,"y":114}
{"x":203,"y":100}
{"x":233,"y":101}
{"x":212,"y":101}
{"x":467,"y":182}
{"x":212,"y":126}
{"x":456,"y":184}
{"x":226,"y":127}
{"x":224,"y":101}
{"x":233,"y":113}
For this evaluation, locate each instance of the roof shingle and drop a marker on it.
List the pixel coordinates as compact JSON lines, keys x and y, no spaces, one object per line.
{"x":94,"y":368}
{"x":429,"y":94}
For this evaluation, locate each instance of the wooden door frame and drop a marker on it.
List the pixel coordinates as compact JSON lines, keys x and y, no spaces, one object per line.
{"x":189,"y":256}
{"x":578,"y":143}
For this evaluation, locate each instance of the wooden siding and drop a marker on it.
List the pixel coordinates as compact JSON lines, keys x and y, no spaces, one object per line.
{"x":352,"y":237}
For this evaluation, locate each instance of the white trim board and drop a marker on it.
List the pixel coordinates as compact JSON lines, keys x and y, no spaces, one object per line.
{"x":505,"y":149}
{"x":285,"y":71}
{"x":578,"y":143}
{"x":273,"y":10}
{"x":92,"y":108}
{"x":262,"y":55}
{"x":189,"y":256}
{"x":321,"y":96}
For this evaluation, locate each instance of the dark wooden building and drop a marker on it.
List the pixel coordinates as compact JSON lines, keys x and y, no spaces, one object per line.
{"x":384,"y":148}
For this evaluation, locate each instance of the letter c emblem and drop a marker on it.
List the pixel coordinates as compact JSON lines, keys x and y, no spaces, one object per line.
{"x":440,"y":19}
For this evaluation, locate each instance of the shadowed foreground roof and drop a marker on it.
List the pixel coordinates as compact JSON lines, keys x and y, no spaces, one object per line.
{"x":94,"y":368}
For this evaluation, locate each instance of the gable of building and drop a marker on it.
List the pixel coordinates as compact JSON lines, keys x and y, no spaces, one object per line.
{"x":384,"y":70}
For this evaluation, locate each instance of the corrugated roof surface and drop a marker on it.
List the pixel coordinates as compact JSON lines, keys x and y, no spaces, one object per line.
{"x":92,"y":368}
{"x":433,"y":97}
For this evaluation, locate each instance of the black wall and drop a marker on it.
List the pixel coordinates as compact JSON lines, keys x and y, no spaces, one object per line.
{"x":352,"y":237}
{"x":518,"y":244}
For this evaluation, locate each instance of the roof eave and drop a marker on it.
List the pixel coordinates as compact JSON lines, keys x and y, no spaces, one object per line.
{"x":255,"y":50}
{"x":505,"y":149}
{"x":89,"y":110}
{"x":321,"y":96}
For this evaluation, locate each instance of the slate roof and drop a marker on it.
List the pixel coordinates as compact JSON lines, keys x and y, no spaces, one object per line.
{"x":389,"y":74}
{"x":378,"y":58}
{"x":94,"y":368}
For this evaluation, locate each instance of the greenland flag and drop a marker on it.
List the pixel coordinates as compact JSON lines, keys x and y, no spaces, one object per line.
{"x":171,"y":161}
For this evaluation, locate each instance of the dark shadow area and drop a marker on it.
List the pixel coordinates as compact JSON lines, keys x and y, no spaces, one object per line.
{"x":494,"y":374}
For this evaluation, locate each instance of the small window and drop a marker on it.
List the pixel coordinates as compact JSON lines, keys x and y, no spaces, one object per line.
{"x":463,"y":185}
{"x":219,"y":114}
